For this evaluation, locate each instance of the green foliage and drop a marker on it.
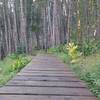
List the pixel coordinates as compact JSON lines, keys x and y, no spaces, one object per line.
{"x":35,"y":28}
{"x":89,"y":70}
{"x":13,"y":56}
{"x":73,"y":52}
{"x":19,"y":64}
{"x":58,"y":49}
{"x":93,"y":81}
{"x":11,"y":65}
{"x":21,"y":49}
{"x":52,"y":50}
{"x":64,"y":56}
{"x":66,"y":52}
{"x":89,"y":47}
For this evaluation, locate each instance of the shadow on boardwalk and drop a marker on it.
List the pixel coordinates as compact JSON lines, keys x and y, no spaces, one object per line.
{"x":46,"y":78}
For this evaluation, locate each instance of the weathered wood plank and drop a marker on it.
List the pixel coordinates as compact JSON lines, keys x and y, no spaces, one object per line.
{"x":60,"y":79}
{"x":46,"y":68}
{"x":47,"y":74}
{"x":31,"y":97}
{"x":45,"y":91}
{"x":47,"y":84}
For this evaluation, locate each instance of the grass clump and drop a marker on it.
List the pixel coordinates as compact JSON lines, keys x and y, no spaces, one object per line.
{"x":11,"y":65}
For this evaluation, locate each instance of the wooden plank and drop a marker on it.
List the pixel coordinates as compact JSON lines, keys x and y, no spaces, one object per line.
{"x":61,"y":79}
{"x":52,"y":62}
{"x":45,"y":91}
{"x":47,"y":74}
{"x":31,"y":97}
{"x":47,"y":84}
{"x":49,"y":66}
{"x":46,"y":68}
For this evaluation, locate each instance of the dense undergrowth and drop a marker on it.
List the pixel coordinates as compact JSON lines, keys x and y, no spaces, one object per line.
{"x":86,"y":66}
{"x":12,"y":64}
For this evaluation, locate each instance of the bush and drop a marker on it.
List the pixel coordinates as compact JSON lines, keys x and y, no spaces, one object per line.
{"x":89,"y":47}
{"x":19,"y":64}
{"x":52,"y":50}
{"x":13,"y":56}
{"x":89,"y":70}
{"x":11,"y":65}
{"x":64,"y":56}
{"x":58,"y":49}
{"x":73,"y":51}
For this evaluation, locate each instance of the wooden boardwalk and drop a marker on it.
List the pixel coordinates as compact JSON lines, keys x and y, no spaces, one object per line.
{"x":45,"y":78}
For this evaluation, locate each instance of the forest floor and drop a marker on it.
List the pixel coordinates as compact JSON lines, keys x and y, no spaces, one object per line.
{"x":87,"y":68}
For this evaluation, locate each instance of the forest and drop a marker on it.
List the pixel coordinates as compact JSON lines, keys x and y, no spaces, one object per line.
{"x":41,"y":24}
{"x":69,"y":29}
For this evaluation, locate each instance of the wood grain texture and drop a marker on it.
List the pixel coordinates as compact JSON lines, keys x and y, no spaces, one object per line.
{"x":41,"y":79}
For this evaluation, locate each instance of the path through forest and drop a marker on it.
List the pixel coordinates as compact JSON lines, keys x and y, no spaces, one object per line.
{"x":46,"y":78}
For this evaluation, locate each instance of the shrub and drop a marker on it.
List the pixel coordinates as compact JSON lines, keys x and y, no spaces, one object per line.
{"x":73,"y":51}
{"x":90,"y":47}
{"x":19,"y":63}
{"x":58,"y":49}
{"x":52,"y":50}
{"x":13,"y":56}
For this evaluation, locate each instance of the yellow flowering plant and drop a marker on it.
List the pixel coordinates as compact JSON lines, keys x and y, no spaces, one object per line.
{"x":73,"y":51}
